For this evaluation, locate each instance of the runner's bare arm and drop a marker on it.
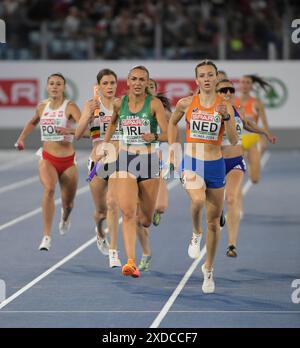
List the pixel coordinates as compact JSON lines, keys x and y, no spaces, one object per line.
{"x":114,"y":121}
{"x":87,"y":115}
{"x":230,"y":125}
{"x":252,"y":127}
{"x":262,"y":114}
{"x":73,"y":112}
{"x":29,"y":127}
{"x":103,"y":148}
{"x":174,"y":148}
{"x":181,"y":107}
{"x":158,"y":110}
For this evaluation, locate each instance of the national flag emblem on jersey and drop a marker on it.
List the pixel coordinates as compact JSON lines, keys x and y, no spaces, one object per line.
{"x":146,"y":122}
{"x":217,"y":118}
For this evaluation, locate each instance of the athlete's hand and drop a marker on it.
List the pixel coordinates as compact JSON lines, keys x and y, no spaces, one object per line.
{"x":20,"y":145}
{"x":101,"y":151}
{"x":64,"y":131}
{"x":90,"y":106}
{"x":222,"y":109}
{"x":271,"y":138}
{"x":148,"y":137}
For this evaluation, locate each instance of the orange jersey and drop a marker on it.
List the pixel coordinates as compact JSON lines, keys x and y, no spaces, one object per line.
{"x":248,"y":107}
{"x":204,"y":125}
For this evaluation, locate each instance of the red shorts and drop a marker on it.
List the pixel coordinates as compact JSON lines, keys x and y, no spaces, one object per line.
{"x":59,"y":163}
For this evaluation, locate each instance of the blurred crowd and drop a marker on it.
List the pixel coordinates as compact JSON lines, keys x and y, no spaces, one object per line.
{"x":146,"y":29}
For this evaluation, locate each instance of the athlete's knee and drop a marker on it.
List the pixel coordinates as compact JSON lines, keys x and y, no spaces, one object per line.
{"x":128,"y":214}
{"x":111,"y":204}
{"x":49,"y":191}
{"x":198,"y":202}
{"x":68,"y":205}
{"x":231,"y":199}
{"x":213,"y":225}
{"x":144,"y":220}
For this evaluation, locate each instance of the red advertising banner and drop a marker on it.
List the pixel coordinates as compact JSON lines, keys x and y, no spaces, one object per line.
{"x":19,"y":93}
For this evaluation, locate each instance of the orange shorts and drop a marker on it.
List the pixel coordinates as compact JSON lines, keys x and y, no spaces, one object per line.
{"x":59,"y":163}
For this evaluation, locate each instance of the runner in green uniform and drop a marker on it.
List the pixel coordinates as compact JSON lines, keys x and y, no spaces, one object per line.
{"x":137,"y":174}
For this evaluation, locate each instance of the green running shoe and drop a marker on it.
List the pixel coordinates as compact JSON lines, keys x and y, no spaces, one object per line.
{"x":156,"y":218}
{"x":145,"y":263}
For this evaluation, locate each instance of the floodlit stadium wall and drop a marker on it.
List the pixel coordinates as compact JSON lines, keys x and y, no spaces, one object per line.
{"x":22,"y":85}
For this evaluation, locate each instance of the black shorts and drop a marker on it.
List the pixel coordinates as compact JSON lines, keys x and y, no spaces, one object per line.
{"x":142,"y":166}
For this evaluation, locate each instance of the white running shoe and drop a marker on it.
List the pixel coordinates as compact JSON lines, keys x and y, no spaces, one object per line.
{"x":102,"y":243}
{"x":114,"y":260}
{"x":194,"y":246}
{"x":208,"y":286}
{"x":64,"y":226}
{"x":46,"y":243}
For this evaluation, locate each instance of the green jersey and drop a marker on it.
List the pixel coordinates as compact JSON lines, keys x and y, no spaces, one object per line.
{"x":134,"y":124}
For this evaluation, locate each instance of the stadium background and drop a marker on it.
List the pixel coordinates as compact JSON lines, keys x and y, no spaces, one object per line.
{"x":78,"y":38}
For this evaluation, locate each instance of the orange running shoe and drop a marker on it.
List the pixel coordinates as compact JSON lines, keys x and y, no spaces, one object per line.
{"x":130,"y":269}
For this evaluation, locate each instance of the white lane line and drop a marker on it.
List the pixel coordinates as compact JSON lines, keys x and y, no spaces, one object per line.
{"x":190,"y":312}
{"x":29,"y":180}
{"x":180,"y":286}
{"x":45,"y":274}
{"x":15,"y":163}
{"x":177,"y":291}
{"x":19,"y":184}
{"x":37,"y":210}
{"x":60,"y":263}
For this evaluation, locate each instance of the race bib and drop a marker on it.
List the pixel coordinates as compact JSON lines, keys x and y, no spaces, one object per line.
{"x":48,"y":126}
{"x":104,"y":123}
{"x":205,"y":126}
{"x":239,"y":130}
{"x":134,"y":128}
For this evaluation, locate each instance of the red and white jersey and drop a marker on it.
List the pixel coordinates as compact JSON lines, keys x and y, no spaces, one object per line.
{"x":51,"y":119}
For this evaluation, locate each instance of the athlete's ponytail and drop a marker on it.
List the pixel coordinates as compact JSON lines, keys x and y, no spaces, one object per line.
{"x":259,"y":81}
{"x":165,"y":101}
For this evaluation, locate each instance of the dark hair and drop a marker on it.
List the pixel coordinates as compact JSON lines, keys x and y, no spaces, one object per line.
{"x":57,"y":74}
{"x":155,"y":83}
{"x":260,"y":81}
{"x":140,"y":67}
{"x":105,"y":72}
{"x":206,"y":62}
{"x":165,"y":101}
